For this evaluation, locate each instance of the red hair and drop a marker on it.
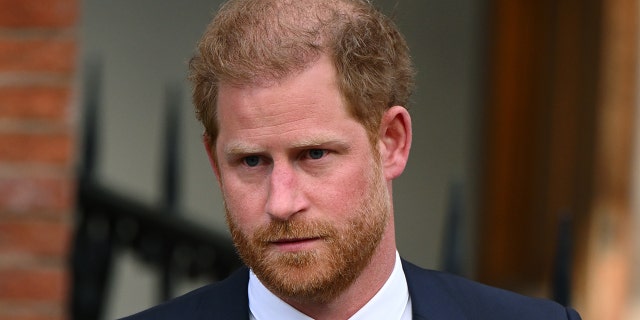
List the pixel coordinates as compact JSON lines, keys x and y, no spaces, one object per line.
{"x":257,"y":41}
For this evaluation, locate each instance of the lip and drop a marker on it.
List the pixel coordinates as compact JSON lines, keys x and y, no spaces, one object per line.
{"x":297,"y":244}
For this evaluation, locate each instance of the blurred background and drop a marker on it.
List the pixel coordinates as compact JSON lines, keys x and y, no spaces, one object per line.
{"x":523,"y":172}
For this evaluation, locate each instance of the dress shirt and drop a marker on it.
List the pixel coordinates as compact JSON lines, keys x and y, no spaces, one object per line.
{"x":391,"y":302}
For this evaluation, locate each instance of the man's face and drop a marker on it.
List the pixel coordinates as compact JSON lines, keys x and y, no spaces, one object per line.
{"x":306,"y":201}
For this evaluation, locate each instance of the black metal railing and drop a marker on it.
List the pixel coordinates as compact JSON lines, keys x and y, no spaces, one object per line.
{"x":108,"y":221}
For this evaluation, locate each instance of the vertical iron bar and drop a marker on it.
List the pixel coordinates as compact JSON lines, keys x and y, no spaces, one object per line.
{"x":171,"y":184}
{"x":93,"y":242}
{"x":452,"y":246}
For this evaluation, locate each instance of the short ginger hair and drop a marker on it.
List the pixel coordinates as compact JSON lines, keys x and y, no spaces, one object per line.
{"x":256,"y":41}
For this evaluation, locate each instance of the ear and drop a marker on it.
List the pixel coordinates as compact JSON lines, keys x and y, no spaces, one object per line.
{"x":208,"y":146}
{"x":395,"y":141}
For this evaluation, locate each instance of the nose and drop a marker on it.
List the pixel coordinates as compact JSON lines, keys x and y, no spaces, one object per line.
{"x":285,"y":198}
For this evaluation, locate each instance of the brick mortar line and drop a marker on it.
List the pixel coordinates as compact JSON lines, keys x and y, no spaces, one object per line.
{"x":36,"y":78}
{"x":41,"y":127}
{"x":45,"y":171}
{"x":19,"y":170}
{"x":8,"y":81}
{"x":66,"y":217}
{"x":32,"y":261}
{"x":21,"y":308}
{"x":39,"y":33}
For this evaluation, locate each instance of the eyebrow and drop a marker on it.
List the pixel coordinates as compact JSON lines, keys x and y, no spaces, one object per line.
{"x":235,"y":148}
{"x":241,"y":148}
{"x":318,"y":141}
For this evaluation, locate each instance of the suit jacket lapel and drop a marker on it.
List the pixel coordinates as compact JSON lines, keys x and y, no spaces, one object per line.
{"x":430,"y":299}
{"x":232,"y":302}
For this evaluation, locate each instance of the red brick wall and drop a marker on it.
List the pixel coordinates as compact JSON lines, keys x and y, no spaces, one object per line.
{"x":38,"y":58}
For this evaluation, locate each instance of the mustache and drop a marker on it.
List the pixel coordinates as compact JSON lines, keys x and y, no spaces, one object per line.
{"x":294,"y":229}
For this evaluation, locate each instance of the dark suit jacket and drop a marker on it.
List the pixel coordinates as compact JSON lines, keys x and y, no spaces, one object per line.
{"x":434,"y":296}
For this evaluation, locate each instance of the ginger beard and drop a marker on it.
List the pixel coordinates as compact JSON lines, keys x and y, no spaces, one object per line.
{"x":318,"y":275}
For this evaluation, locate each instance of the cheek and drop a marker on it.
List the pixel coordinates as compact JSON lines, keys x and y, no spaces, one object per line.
{"x":345,"y":191}
{"x":244,"y":205}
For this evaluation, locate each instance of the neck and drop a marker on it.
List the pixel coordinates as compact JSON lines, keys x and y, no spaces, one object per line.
{"x":372,"y":278}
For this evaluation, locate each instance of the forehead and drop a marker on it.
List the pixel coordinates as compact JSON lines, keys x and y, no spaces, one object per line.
{"x":311,"y":95}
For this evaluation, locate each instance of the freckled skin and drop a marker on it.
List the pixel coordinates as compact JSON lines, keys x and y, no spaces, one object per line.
{"x":308,"y":198}
{"x":270,"y":120}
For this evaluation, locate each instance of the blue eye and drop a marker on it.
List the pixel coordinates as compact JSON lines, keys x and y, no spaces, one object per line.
{"x":317,"y":153}
{"x":252,"y":161}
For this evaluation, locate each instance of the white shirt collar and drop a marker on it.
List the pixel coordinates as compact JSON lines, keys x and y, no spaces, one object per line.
{"x":391,"y":302}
